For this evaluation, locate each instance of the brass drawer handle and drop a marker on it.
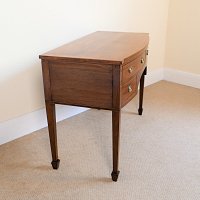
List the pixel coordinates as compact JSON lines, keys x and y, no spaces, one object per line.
{"x":129,"y":89}
{"x":130,"y":70}
{"x":142,"y":60}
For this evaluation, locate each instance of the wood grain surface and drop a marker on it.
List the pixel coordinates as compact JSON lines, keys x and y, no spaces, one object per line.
{"x":101,"y":47}
{"x":83,"y":85}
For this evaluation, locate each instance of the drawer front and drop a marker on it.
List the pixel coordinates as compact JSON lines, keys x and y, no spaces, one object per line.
{"x":87,"y":85}
{"x":129,"y":90}
{"x":132,"y":68}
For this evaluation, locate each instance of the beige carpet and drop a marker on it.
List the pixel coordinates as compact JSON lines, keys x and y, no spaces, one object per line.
{"x":160,"y":153}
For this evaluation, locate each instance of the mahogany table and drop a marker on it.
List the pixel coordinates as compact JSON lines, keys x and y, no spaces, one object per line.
{"x":102,"y":70}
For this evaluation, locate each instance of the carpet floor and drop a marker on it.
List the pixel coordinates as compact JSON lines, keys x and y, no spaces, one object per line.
{"x":159,"y":153}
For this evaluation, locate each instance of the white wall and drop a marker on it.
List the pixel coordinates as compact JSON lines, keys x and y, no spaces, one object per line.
{"x":29,"y":28}
{"x":183,"y":36}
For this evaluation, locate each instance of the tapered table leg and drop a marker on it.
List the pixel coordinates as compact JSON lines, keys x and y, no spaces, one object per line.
{"x":116,"y":116}
{"x":140,"y":110}
{"x":51,"y":118}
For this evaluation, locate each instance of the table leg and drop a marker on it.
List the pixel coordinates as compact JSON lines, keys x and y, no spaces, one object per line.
{"x":51,"y":118}
{"x":140,"y":110}
{"x":116,"y":116}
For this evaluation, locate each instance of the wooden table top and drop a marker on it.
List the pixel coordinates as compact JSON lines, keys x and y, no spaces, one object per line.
{"x":101,"y":47}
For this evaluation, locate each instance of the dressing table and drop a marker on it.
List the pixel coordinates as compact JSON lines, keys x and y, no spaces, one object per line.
{"x":101,"y":70}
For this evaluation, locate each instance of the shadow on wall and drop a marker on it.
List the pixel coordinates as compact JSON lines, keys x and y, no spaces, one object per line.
{"x":22,"y":93}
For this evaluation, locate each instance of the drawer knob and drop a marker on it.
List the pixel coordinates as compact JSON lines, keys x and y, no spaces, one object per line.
{"x":130,"y":70}
{"x":129,"y":89}
{"x":142,"y":60}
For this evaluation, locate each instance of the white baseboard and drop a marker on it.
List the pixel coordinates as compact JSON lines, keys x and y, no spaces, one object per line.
{"x":20,"y":126}
{"x":154,"y":76}
{"x":183,"y":78}
{"x":26,"y":124}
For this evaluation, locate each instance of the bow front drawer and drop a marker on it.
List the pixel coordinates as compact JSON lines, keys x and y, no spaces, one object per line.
{"x":129,"y":90}
{"x":133,"y":67}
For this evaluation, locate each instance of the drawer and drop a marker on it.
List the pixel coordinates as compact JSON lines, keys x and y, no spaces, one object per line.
{"x":87,"y":85}
{"x":129,"y":90}
{"x":132,"y":68}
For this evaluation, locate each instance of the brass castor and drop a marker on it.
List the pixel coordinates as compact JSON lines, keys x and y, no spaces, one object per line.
{"x":55,"y":164}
